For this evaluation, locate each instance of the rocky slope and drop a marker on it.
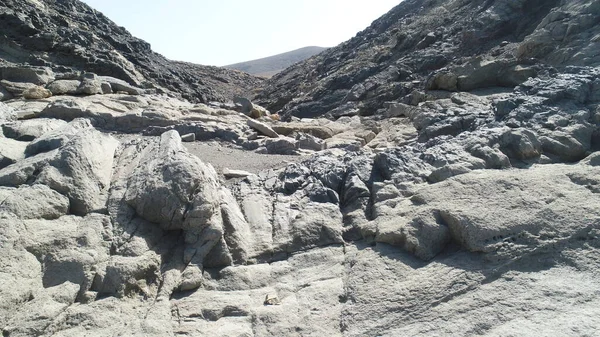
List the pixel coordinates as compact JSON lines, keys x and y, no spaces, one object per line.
{"x":469,"y":207}
{"x":69,"y":37}
{"x":269,"y":66}
{"x":435,"y":44}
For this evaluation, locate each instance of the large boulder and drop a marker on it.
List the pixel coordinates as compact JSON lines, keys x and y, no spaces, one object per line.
{"x":120,"y":85}
{"x":57,"y":137}
{"x":168,"y":181}
{"x":64,"y":87}
{"x":36,"y":92}
{"x":522,"y":211}
{"x":81,"y":170}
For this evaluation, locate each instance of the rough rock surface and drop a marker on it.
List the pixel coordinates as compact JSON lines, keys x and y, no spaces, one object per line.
{"x":468,"y":205}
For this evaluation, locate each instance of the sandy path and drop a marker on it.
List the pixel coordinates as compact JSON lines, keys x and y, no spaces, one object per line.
{"x":224,"y":157}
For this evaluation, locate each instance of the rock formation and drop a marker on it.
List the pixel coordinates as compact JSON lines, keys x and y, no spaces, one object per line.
{"x":70,"y":37}
{"x":446,"y":184}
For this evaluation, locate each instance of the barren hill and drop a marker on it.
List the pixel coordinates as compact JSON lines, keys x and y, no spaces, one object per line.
{"x":269,"y":66}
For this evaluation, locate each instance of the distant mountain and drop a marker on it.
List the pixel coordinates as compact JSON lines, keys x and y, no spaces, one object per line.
{"x":269,"y":66}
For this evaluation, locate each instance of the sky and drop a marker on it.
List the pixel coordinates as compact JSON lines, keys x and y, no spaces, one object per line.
{"x":222,"y":32}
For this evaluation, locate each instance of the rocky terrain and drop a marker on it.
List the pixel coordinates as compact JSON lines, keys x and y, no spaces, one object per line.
{"x":269,"y":66}
{"x":69,"y":37}
{"x":453,"y":190}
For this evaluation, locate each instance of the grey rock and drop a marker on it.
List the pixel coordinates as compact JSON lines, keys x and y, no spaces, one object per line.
{"x":29,"y":130}
{"x":4,"y":94}
{"x":106,"y":88}
{"x":146,"y":190}
{"x":90,"y":87}
{"x":17,"y":88}
{"x":521,"y":145}
{"x":7,"y":113}
{"x":11,"y":151}
{"x":33,"y":202}
{"x":122,"y":276}
{"x":25,"y":170}
{"x":319,"y":131}
{"x":175,"y":190}
{"x":85,"y":185}
{"x":281,"y":145}
{"x":246,"y":105}
{"x":262,"y":128}
{"x":308,"y":142}
{"x":57,"y":137}
{"x":120,"y":85}
{"x":227,"y":173}
{"x":24,"y":74}
{"x":64,"y":87}
{"x":189,"y":137}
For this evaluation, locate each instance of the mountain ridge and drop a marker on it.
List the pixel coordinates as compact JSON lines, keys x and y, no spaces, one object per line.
{"x":271,"y":65}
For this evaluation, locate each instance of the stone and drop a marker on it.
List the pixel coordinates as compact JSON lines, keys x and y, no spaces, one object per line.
{"x":17,"y":88}
{"x":258,"y":112}
{"x":90,"y":87}
{"x":35,"y":75}
{"x":120,"y":85}
{"x":64,"y":87}
{"x":281,"y":145}
{"x":7,"y":113}
{"x":319,"y":131}
{"x":176,"y":191}
{"x":146,"y":190}
{"x":189,"y":137}
{"x":85,"y":185}
{"x":495,"y":230}
{"x":36,"y":93}
{"x":4,"y":94}
{"x":308,"y":142}
{"x":28,"y":130}
{"x":444,"y":81}
{"x":229,"y":174}
{"x":57,"y":137}
{"x":25,"y":170}
{"x":244,"y":103}
{"x":521,"y":145}
{"x":11,"y":151}
{"x":440,"y":213}
{"x":34,"y":202}
{"x":262,"y":128}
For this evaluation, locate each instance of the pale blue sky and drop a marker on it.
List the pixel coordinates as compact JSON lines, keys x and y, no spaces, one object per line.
{"x":221,"y":32}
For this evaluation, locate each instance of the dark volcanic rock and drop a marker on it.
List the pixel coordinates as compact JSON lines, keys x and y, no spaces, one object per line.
{"x":437,"y":44}
{"x":69,"y":36}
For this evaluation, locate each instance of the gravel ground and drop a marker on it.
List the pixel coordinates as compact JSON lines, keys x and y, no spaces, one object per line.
{"x":225,"y":157}
{"x":222,"y":156}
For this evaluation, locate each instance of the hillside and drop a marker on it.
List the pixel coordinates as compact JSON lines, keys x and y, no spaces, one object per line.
{"x":269,"y":66}
{"x":419,"y":40}
{"x":69,"y":36}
